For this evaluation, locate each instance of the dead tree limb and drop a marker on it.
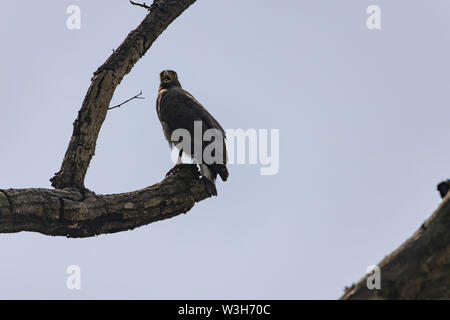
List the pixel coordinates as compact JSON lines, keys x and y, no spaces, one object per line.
{"x":419,"y":268}
{"x":70,"y":209}
{"x":77,"y":214}
{"x":103,"y":84}
{"x":143,"y":5}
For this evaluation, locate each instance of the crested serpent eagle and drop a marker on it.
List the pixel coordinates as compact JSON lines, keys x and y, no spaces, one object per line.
{"x":178,"y":110}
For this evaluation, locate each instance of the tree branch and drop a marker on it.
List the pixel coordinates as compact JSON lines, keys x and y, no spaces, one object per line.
{"x":143,"y":5}
{"x":77,"y":214}
{"x":138,"y":96}
{"x":418,"y":269}
{"x":103,"y":84}
{"x":73,"y":211}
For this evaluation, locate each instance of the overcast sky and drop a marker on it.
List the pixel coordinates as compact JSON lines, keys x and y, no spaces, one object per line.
{"x":363,"y":119}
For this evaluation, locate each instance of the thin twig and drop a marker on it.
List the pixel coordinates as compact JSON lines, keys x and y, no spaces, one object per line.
{"x":135,"y":97}
{"x":143,"y":5}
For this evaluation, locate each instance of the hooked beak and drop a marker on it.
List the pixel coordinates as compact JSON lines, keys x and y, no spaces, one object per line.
{"x":166,"y":76}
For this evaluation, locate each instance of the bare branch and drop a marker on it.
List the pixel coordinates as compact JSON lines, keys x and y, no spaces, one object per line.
{"x":90,"y":118}
{"x":143,"y":5}
{"x":73,"y":213}
{"x":138,"y":96}
{"x":419,"y":268}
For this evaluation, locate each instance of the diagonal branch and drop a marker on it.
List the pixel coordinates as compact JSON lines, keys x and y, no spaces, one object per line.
{"x":138,"y":96}
{"x":73,"y":211}
{"x":419,"y":268}
{"x":75,"y":214}
{"x":90,"y":118}
{"x":143,"y":5}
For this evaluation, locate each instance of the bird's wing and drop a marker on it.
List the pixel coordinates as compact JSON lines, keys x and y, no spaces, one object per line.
{"x":179,"y":109}
{"x":203,"y":114}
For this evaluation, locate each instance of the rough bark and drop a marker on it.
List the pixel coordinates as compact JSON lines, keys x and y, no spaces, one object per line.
{"x":103,"y":84}
{"x":73,"y":213}
{"x":419,"y":268}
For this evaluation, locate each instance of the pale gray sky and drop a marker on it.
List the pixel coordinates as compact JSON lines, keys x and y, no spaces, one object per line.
{"x":363,"y":118}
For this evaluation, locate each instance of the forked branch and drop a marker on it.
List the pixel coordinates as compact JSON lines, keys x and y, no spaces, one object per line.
{"x":103,"y":84}
{"x":72,"y":210}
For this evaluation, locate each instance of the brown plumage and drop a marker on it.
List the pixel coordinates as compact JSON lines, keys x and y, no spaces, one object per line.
{"x":178,"y":109}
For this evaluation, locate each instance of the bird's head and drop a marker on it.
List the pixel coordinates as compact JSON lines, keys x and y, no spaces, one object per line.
{"x":169,"y":79}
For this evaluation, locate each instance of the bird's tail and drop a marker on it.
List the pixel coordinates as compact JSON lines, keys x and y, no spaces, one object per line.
{"x":210,"y":187}
{"x":222,"y":170}
{"x":209,"y":179}
{"x":209,"y":173}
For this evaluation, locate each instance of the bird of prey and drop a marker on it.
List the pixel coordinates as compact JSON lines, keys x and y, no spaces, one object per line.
{"x":178,"y":109}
